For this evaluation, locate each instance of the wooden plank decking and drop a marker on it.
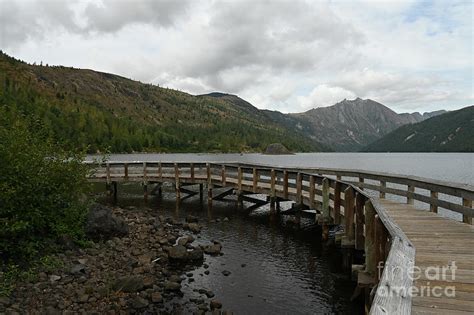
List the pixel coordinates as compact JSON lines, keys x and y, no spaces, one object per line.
{"x":439,"y":242}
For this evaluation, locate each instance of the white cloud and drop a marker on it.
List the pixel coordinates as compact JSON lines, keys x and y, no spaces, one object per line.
{"x":324,"y":95}
{"x":285,"y":55}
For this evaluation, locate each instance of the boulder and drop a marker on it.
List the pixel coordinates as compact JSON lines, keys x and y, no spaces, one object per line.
{"x":276,"y":149}
{"x":213,"y":249}
{"x":194,"y":227}
{"x":195,"y":254}
{"x":128,"y":284}
{"x":177,"y":252}
{"x":172,"y":286}
{"x":138,"y":303}
{"x":215,"y":304}
{"x":102,"y":224}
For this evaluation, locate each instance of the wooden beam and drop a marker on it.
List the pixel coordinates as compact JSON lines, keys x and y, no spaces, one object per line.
{"x":176,"y":180}
{"x":383,"y":185}
{"x":160,"y":171}
{"x":108,"y":172}
{"x":223,"y":175}
{"x":299,"y":182}
{"x":191,"y":167}
{"x":272,"y":183}
{"x":434,"y":207}
{"x":411,"y":191}
{"x":312,"y":190}
{"x":125,"y":166}
{"x":285,"y":184}
{"x":145,"y":175}
{"x":208,"y":172}
{"x":370,"y":264}
{"x":349,"y":213}
{"x":359,"y":226}
{"x":255,"y":180}
{"x":468,"y":204}
{"x":325,"y":204}
{"x":337,"y":202}
{"x":239,"y":179}
{"x":361,"y":181}
{"x":380,"y":246}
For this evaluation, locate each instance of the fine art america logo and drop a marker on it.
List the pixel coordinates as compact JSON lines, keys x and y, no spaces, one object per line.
{"x":428,"y":277}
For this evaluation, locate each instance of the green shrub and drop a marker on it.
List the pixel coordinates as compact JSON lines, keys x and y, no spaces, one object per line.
{"x":41,"y":190}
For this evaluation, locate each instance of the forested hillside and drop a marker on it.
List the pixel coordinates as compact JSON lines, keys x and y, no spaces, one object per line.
{"x":100,"y":111}
{"x":450,"y":132}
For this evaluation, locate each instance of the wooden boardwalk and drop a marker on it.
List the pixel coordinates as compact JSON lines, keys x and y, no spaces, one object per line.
{"x":427,"y":260}
{"x":439,"y":242}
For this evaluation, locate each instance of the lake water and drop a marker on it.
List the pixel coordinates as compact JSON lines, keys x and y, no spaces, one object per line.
{"x":455,"y":167}
{"x":287,"y":270}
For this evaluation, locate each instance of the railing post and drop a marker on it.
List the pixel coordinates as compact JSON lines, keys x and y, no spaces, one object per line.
{"x":299,"y":183}
{"x":349,"y":214}
{"x":380,"y":246}
{"x":312,"y":182}
{"x":145,"y":181}
{"x":433,"y":207}
{"x":383,"y":185}
{"x":272,"y":182}
{"x":325,"y":208}
{"x":361,"y":181}
{"x":223,"y":175}
{"x":410,"y":192}
{"x":239,"y":179}
{"x":191,"y":166}
{"x":108,"y":172}
{"x":209,"y":182}
{"x":176,"y":180}
{"x":359,"y":227}
{"x":255,"y":180}
{"x":337,"y":202}
{"x":468,"y":204}
{"x":325,"y":204}
{"x":145,"y":175}
{"x":285,"y":184}
{"x":160,"y":171}
{"x":125,"y":166}
{"x":370,"y":265}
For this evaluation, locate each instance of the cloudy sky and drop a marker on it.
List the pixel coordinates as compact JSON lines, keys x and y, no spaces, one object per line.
{"x":284,"y":55}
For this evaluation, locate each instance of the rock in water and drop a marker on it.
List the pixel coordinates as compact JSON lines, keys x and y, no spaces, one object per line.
{"x":276,"y":148}
{"x":102,"y":224}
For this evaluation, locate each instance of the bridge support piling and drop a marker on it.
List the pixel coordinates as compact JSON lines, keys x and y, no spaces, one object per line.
{"x":209,"y":193}
{"x":201,"y":192}
{"x":115,"y":190}
{"x":145,"y":190}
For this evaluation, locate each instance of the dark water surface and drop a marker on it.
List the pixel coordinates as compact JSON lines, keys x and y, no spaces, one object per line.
{"x":286,"y":270}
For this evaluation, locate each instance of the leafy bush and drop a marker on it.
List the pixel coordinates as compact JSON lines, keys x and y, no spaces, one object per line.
{"x":41,"y":190}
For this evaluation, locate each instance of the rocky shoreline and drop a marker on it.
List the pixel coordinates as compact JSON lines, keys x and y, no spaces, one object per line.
{"x":140,"y":272}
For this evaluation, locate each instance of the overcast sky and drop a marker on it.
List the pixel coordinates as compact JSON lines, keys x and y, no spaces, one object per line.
{"x":284,"y":55}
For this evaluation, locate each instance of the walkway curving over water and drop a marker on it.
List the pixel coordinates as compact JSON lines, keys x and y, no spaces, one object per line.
{"x":396,"y":236}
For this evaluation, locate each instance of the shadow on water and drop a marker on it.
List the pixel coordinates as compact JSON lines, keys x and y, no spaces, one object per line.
{"x":275,"y":266}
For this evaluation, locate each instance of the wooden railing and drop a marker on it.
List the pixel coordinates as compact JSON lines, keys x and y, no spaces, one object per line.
{"x":337,"y":197}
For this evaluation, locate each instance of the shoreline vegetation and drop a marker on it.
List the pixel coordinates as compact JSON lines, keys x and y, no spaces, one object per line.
{"x":59,"y":252}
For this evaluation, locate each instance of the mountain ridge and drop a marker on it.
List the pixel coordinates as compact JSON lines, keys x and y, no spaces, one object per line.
{"x":450,"y":132}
